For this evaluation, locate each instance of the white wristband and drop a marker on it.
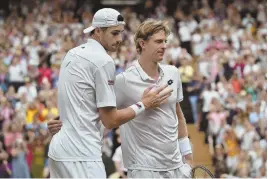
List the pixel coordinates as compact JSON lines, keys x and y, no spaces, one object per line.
{"x":185,"y":146}
{"x":138,"y":108}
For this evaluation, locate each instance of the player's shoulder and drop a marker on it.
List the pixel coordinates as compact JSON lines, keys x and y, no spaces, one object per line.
{"x":168,"y":68}
{"x":129,"y":73}
{"x":130,"y":69}
{"x":85,"y":51}
{"x":121,"y":76}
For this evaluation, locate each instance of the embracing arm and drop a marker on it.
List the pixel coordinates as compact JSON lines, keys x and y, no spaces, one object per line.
{"x":111,"y":117}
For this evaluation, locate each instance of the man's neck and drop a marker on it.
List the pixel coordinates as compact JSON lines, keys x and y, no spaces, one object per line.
{"x":95,"y":38}
{"x":149,"y":67}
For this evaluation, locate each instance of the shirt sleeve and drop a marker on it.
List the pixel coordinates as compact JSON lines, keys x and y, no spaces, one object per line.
{"x":104,"y":81}
{"x":179,"y":88}
{"x":120,"y":86}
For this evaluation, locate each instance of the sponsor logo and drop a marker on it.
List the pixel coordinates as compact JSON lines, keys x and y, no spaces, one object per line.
{"x":139,"y":106}
{"x":110,"y":82}
{"x":170,"y":82}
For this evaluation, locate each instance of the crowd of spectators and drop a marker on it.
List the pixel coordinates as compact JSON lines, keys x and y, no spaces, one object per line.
{"x":218,"y":46}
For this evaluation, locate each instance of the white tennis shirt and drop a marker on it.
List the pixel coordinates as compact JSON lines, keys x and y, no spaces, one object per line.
{"x":150,"y":141}
{"x":86,"y":83}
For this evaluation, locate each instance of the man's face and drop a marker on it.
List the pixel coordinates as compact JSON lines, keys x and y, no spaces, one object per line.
{"x":111,"y":38}
{"x":155,"y":46}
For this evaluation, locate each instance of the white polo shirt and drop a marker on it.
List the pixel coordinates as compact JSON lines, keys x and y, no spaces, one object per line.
{"x":86,"y":83}
{"x":150,"y":141}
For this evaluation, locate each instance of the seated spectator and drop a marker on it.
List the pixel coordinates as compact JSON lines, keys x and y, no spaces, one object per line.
{"x":49,"y":112}
{"x":218,"y":159}
{"x":5,"y":169}
{"x":28,"y":89}
{"x":16,"y":74}
{"x":232,"y":148}
{"x":31,"y":111}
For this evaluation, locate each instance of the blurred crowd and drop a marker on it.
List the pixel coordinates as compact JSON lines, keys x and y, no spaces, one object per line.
{"x":218,"y":46}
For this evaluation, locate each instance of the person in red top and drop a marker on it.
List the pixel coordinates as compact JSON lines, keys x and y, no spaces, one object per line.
{"x":44,"y":72}
{"x":236,"y":84}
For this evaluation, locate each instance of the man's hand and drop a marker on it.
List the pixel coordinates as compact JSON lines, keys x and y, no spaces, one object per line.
{"x":54,"y":126}
{"x":189,"y":159}
{"x":154,"y":97}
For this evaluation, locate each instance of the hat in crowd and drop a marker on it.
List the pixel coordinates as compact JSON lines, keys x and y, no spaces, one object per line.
{"x":106,"y":17}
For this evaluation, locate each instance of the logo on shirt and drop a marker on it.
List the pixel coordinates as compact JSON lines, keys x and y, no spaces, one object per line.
{"x":139,"y":106}
{"x":110,"y":82}
{"x":170,"y":82}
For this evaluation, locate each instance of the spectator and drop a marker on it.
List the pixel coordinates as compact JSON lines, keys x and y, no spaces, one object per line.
{"x":3,"y":77}
{"x":5,"y":170}
{"x":118,"y":159}
{"x":186,"y":71}
{"x":19,"y":165}
{"x":207,"y":95}
{"x":194,"y":89}
{"x":28,"y":89}
{"x":16,"y":74}
{"x":215,"y":117}
{"x":232,"y":148}
{"x":44,"y":73}
{"x":218,"y":158}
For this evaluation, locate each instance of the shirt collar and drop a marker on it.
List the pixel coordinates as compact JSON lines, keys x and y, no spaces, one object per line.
{"x":144,"y":75}
{"x":96,"y":44}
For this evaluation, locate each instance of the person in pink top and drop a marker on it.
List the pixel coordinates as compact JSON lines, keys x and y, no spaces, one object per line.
{"x":12,"y":135}
{"x":216,"y":117}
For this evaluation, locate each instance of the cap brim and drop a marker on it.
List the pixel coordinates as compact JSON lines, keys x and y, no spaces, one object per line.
{"x":89,"y":29}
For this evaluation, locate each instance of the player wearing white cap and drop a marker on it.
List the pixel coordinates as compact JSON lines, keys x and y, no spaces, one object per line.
{"x":86,"y":100}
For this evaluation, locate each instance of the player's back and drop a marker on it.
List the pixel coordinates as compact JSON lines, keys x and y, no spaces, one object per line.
{"x":80,"y":138}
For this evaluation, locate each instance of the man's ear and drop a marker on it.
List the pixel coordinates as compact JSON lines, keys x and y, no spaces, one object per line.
{"x":142,"y":43}
{"x":97,"y":31}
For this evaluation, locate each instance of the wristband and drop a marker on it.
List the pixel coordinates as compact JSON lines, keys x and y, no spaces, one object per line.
{"x":185,"y":146}
{"x":138,"y":108}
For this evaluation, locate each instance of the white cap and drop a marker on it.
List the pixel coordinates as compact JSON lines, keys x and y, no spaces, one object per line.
{"x":105,"y":17}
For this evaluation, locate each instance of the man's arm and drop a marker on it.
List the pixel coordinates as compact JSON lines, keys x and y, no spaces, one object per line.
{"x":183,"y":132}
{"x":109,"y":95}
{"x":111,"y":117}
{"x":185,"y":146}
{"x":106,"y":86}
{"x":184,"y":143}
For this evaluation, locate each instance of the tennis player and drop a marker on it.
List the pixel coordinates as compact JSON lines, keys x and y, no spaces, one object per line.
{"x":155,"y":144}
{"x":86,"y":100}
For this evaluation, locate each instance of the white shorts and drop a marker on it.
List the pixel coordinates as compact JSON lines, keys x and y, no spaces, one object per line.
{"x":66,"y":169}
{"x":183,"y":172}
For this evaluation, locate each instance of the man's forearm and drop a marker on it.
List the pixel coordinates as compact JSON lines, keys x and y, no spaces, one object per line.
{"x":185,"y":147}
{"x":183,"y":132}
{"x":122,"y":117}
{"x":113,"y":118}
